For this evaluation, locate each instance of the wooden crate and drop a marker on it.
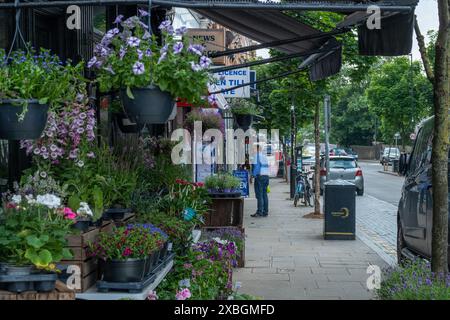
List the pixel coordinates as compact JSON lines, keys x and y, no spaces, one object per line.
{"x":225,"y":212}
{"x":241,"y":258}
{"x":61,"y":292}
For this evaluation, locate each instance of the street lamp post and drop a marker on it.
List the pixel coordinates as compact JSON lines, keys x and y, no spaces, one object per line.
{"x":293,"y":168}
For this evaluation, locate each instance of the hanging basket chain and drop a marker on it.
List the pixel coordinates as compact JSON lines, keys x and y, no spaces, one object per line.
{"x":17,"y":31}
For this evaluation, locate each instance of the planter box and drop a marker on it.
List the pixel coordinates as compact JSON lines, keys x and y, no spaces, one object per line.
{"x":61,"y":292}
{"x":225,"y":212}
{"x":241,"y":258}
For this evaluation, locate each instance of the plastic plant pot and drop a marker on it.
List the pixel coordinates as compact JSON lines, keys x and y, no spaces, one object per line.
{"x":20,"y":286}
{"x":82,"y":225}
{"x":44,"y":286}
{"x":243,"y":121}
{"x":150,"y":105}
{"x":130,"y":270}
{"x":30,"y":127}
{"x":18,"y":270}
{"x":126,"y":125}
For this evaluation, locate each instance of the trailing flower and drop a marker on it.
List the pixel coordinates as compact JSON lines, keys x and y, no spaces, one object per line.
{"x":132,"y":58}
{"x":69,"y":135}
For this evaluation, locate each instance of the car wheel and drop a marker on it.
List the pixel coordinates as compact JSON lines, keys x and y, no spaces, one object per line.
{"x":360,"y":192}
{"x":400,"y":244}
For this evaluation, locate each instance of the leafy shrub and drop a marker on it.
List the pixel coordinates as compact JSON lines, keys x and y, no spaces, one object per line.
{"x":244,"y":106}
{"x":414,"y":281}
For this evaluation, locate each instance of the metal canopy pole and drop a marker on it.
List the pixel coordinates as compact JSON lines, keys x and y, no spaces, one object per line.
{"x":277,"y":43}
{"x":298,"y":5}
{"x":270,"y":60}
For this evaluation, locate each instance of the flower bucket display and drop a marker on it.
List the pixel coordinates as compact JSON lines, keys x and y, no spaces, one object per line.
{"x":149,"y":106}
{"x":129,"y":270}
{"x":126,"y":125}
{"x":12,"y":127}
{"x":243,"y":121}
{"x":150,"y":73}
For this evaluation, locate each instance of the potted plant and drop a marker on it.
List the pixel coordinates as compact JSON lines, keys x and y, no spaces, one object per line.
{"x":243,"y":112}
{"x":231,"y":183}
{"x":209,"y":118}
{"x":30,"y":85}
{"x":123,"y":122}
{"x":82,"y":217}
{"x":32,"y":235}
{"x":150,"y":76}
{"x":124,"y":253}
{"x":222,"y":183}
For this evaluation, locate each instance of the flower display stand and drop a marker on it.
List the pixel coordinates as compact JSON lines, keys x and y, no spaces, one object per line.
{"x":61,"y":292}
{"x":225,"y":212}
{"x":78,"y":244}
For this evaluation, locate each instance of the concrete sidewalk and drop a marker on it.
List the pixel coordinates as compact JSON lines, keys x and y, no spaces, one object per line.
{"x":287,"y":258}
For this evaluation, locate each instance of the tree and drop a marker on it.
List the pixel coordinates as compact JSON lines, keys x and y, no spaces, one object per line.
{"x":400,"y":95}
{"x":439,"y":77}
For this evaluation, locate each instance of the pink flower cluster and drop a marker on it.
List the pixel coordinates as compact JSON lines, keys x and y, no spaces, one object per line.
{"x":68,"y":135}
{"x":184,"y":294}
{"x":69,"y":214}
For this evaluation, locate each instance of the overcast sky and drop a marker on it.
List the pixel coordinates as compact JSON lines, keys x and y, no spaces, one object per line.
{"x":427,"y":15}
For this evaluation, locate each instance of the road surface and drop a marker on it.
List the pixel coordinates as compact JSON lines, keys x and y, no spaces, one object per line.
{"x":382,"y":186}
{"x":376,"y":211}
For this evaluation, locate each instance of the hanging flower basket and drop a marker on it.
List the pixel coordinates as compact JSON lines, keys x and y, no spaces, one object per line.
{"x":30,"y":127}
{"x":149,"y":106}
{"x":243,"y":121}
{"x":126,"y":125}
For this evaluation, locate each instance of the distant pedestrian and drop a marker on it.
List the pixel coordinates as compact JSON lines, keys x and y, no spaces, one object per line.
{"x":261,"y":174}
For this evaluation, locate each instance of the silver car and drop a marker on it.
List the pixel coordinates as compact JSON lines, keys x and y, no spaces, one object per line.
{"x":343,"y":168}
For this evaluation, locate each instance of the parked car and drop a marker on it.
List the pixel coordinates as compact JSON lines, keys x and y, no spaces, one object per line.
{"x":390,"y":154}
{"x":351,"y":153}
{"x":344,"y":168}
{"x":338,"y":152}
{"x":415,"y":209}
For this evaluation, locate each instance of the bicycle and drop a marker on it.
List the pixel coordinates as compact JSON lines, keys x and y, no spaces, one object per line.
{"x":302,"y":189}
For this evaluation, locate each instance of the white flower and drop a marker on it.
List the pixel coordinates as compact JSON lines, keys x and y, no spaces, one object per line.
{"x":30,"y":199}
{"x":17,"y":198}
{"x":218,"y":240}
{"x":49,"y":200}
{"x":80,"y":164}
{"x":84,"y":209}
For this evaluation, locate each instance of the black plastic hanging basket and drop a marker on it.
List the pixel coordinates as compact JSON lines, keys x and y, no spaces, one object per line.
{"x":243,"y":121}
{"x":149,"y":106}
{"x":32,"y":125}
{"x":126,"y":125}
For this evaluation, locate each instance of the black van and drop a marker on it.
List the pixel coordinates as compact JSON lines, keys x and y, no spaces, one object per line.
{"x":415,"y":209}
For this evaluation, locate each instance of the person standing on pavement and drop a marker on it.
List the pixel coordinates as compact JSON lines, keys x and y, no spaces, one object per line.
{"x":260,"y":172}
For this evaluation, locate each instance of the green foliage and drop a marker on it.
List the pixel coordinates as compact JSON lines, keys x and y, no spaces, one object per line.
{"x":244,"y":106}
{"x":222,"y":181}
{"x":133,"y":242}
{"x":122,"y":64}
{"x":400,"y":96}
{"x":40,"y":76}
{"x":33,"y":234}
{"x":414,"y":281}
{"x":209,"y":119}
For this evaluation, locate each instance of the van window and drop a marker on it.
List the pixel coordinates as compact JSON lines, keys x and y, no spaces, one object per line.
{"x":421,"y":154}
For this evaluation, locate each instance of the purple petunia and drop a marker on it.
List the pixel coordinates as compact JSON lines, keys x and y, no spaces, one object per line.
{"x":138,"y":68}
{"x":92,"y":62}
{"x":166,"y":26}
{"x":196,"y":48}
{"x":133,"y":42}
{"x":148,"y":53}
{"x":212,"y":99}
{"x":143,"y":13}
{"x":205,"y":62}
{"x":119,"y":19}
{"x":181,"y":31}
{"x":122,"y":52}
{"x":140,"y":54}
{"x":178,"y":47}
{"x":162,"y":57}
{"x":195,"y":67}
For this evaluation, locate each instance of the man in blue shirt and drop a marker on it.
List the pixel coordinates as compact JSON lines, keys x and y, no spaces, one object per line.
{"x":260,"y":172}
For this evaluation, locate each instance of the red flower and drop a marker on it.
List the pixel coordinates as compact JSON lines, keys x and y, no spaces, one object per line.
{"x":11,"y":205}
{"x":127,"y":252}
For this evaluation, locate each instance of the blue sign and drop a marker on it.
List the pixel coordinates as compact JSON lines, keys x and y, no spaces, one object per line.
{"x":253,"y":79}
{"x":243,"y":176}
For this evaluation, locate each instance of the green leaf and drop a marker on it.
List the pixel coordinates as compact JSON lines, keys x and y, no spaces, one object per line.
{"x":129,"y":93}
{"x":74,"y":202}
{"x":66,"y":253}
{"x":36,"y":242}
{"x":43,"y":100}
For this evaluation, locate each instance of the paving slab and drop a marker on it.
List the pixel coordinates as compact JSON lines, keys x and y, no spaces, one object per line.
{"x":287,"y":257}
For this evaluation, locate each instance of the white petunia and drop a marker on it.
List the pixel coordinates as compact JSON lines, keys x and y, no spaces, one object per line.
{"x":49,"y":200}
{"x":17,"y":198}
